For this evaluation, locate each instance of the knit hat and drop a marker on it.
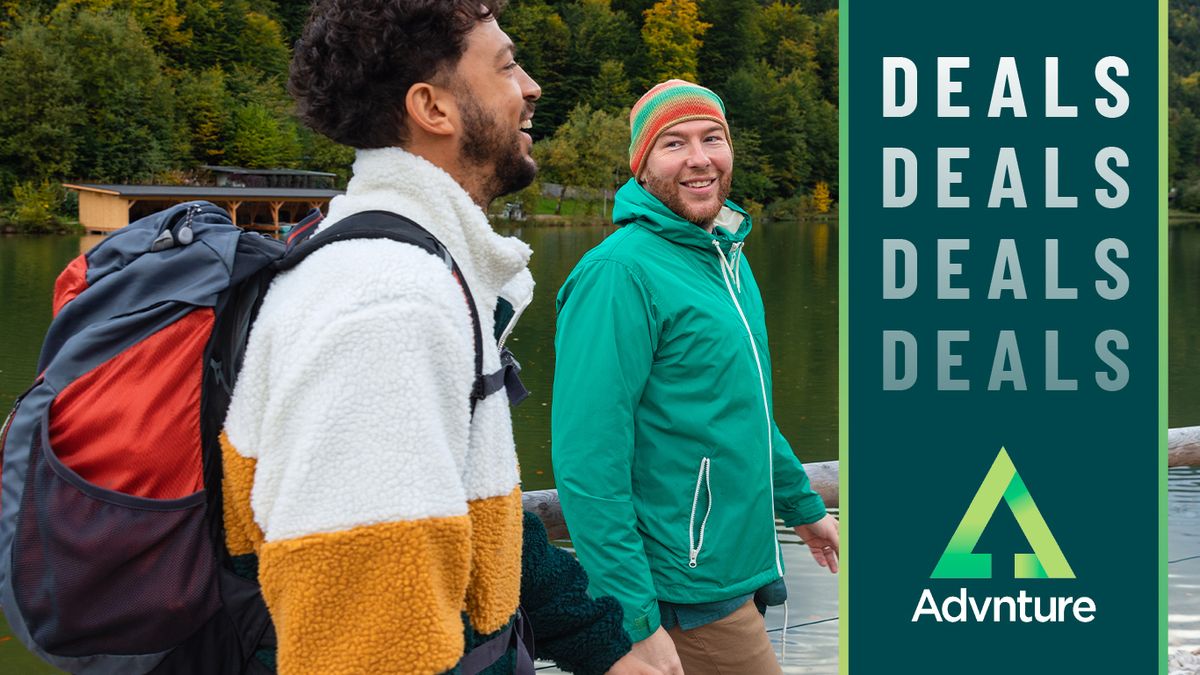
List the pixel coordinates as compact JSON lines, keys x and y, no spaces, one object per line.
{"x":664,"y":106}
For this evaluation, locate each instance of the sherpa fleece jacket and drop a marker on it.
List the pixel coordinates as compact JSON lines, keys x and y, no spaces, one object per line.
{"x":386,"y":519}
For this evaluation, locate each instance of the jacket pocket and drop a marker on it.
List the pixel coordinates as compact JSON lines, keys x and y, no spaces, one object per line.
{"x":696,"y":540}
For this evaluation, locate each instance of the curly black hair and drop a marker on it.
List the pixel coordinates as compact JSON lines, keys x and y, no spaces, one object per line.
{"x":357,"y":59}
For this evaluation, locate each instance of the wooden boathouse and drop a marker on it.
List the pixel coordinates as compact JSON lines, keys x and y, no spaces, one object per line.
{"x":104,"y":208}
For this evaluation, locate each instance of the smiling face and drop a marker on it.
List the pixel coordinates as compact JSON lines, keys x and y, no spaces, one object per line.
{"x":690,"y":169}
{"x":495,"y":99}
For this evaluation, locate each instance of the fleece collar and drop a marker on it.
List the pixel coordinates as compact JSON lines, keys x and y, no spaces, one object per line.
{"x":633,"y":203}
{"x":392,"y":179}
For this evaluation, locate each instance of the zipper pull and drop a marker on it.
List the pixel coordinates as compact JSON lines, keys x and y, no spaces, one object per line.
{"x":184,"y":235}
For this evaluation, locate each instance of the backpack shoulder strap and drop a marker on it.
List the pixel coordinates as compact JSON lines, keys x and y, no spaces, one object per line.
{"x":388,"y":225}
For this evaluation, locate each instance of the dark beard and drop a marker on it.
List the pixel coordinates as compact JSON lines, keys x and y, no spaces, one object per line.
{"x":668,"y":193}
{"x":486,"y":144}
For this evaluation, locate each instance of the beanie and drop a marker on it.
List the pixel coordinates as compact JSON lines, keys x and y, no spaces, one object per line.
{"x":664,"y":106}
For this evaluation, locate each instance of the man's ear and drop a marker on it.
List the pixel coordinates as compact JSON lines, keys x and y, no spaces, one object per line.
{"x":431,"y":108}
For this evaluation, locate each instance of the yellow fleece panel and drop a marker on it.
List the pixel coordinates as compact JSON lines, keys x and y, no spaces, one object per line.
{"x":383,"y":598}
{"x":495,"y":586}
{"x":242,"y":534}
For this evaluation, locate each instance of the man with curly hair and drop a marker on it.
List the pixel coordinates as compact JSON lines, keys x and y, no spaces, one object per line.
{"x":383,"y":506}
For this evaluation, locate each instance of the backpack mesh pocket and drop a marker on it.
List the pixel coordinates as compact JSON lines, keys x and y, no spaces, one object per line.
{"x":99,"y":572}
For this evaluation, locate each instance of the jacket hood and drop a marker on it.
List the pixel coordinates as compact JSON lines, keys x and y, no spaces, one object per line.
{"x":633,"y":203}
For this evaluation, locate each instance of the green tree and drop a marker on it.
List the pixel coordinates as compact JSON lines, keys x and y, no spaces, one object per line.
{"x":163,"y":25}
{"x":39,"y":107}
{"x":796,"y":127}
{"x":783,"y":35}
{"x":672,"y":33}
{"x":261,"y":45}
{"x":751,"y":168}
{"x":610,"y":88}
{"x":598,"y":34}
{"x":730,"y":46}
{"x":260,"y":140}
{"x":126,"y":127}
{"x":211,"y":41}
{"x":204,"y":119}
{"x":322,"y":154}
{"x":291,"y":15}
{"x":825,"y":41}
{"x":543,"y":41}
{"x":590,"y":150}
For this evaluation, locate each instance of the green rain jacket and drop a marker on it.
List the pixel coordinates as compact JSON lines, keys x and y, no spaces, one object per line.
{"x":668,"y":462}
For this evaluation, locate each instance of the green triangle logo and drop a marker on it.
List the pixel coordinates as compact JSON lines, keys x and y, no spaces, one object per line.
{"x":959,"y":561}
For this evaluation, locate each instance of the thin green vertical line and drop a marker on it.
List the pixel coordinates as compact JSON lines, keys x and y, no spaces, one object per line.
{"x":843,"y":331}
{"x":1162,"y":336}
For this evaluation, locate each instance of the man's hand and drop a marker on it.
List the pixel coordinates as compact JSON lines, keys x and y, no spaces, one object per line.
{"x":658,"y":650}
{"x":822,"y":540}
{"x":631,"y":665}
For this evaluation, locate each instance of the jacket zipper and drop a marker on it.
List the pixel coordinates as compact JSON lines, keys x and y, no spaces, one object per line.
{"x":694,"y":546}
{"x":762,"y":383}
{"x":512,"y":323}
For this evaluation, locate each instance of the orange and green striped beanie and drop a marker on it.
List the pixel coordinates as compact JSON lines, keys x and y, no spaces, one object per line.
{"x":665,"y":105}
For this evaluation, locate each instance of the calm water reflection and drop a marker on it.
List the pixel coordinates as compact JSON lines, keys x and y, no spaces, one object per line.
{"x":796,"y":266}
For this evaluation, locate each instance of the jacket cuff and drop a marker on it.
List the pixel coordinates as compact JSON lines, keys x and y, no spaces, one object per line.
{"x":807,"y":511}
{"x":643,"y":626}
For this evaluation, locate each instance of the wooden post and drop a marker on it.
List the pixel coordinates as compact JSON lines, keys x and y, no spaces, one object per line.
{"x":233,"y":207}
{"x":275,"y":216}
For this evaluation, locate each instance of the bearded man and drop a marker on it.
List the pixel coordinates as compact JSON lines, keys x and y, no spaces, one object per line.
{"x":371,"y":486}
{"x":668,"y":461}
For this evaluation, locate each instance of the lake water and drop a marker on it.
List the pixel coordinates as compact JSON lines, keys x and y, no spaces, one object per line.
{"x":796,"y":265}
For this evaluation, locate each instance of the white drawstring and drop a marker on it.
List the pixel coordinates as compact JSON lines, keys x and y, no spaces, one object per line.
{"x":783,"y":635}
{"x":734,"y":252}
{"x":762,"y":383}
{"x":730,"y":265}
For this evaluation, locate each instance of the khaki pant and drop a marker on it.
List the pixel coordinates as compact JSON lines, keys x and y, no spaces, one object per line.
{"x":734,"y":645}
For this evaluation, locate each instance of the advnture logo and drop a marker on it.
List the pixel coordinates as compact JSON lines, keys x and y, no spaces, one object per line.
{"x":960,"y":561}
{"x":1002,"y":482}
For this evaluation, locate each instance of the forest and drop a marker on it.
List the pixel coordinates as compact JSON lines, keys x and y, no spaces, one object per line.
{"x":149,"y":91}
{"x":137,"y":91}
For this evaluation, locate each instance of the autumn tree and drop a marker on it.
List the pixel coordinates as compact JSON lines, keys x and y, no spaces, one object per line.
{"x":672,"y":33}
{"x":821,"y":201}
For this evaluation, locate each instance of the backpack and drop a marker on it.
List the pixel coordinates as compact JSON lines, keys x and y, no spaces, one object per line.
{"x":112,"y":547}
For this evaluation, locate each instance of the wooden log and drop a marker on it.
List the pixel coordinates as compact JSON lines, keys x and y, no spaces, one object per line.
{"x":1183,"y":446}
{"x":545,"y":505}
{"x":1183,"y":449}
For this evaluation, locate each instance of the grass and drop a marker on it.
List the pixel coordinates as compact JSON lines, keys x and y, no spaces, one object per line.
{"x":1177,"y":217}
{"x":570,"y":206}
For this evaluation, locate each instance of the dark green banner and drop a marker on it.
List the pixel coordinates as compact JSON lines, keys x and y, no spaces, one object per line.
{"x":1002,"y":337}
